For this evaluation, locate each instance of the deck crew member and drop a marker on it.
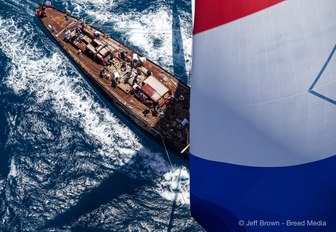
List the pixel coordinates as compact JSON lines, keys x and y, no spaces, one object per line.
{"x":171,"y":97}
{"x":162,"y":113}
{"x":77,"y":30}
{"x":123,"y":55}
{"x":110,"y":56}
{"x":43,"y":9}
{"x":148,"y":73}
{"x":67,"y":35}
{"x":146,"y":111}
{"x":135,"y":80}
{"x":102,"y":72}
{"x":127,"y":76}
{"x":135,"y":57}
{"x":135,"y":60}
{"x":116,"y":76}
{"x":142,"y":59}
{"x":82,"y":24}
{"x":123,"y":66}
{"x":96,"y":34}
{"x":154,"y":112}
{"x":110,"y":59}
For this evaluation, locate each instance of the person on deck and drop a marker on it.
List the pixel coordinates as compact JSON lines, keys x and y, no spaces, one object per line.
{"x":135,"y":57}
{"x":127,"y":76}
{"x":154,"y":112}
{"x":135,"y":80}
{"x":162,"y":114}
{"x":123,"y":55}
{"x":82,"y":24}
{"x":142,"y":60}
{"x":96,"y":34}
{"x":102,"y":73}
{"x":67,"y":35}
{"x":116,"y":77}
{"x":77,"y":30}
{"x":146,"y":111}
{"x":148,"y":73}
{"x":123,"y":66}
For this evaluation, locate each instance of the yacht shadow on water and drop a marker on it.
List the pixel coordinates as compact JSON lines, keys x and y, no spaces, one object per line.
{"x":179,"y":63}
{"x":4,"y":150}
{"x":6,"y":107}
{"x":145,"y":204}
{"x":114,"y":186}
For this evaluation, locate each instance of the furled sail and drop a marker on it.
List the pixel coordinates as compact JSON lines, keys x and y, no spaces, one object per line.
{"x":263,"y":115}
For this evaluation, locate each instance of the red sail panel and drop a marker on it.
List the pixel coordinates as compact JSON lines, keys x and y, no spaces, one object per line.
{"x":213,"y":13}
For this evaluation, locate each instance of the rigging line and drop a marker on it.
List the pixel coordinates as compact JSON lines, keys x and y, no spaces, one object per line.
{"x":171,"y":165}
{"x":164,"y":144}
{"x":177,"y":188}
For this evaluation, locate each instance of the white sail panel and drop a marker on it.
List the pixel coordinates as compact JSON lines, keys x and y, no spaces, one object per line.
{"x":251,"y":82}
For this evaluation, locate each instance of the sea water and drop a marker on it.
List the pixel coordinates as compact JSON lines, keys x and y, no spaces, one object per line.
{"x":69,"y":161}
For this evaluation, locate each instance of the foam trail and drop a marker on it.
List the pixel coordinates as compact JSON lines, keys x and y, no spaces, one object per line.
{"x":46,"y":80}
{"x":54,"y":82}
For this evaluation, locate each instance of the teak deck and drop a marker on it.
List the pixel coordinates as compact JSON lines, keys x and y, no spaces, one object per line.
{"x":159,"y":92}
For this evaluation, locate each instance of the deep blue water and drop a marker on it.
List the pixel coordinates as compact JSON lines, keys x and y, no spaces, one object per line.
{"x":69,"y":161}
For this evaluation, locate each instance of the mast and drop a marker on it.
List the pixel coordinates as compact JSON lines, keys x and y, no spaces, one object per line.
{"x":193,"y":12}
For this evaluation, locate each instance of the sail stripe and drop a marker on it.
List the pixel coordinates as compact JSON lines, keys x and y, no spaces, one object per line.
{"x":210,"y":14}
{"x":224,"y":194}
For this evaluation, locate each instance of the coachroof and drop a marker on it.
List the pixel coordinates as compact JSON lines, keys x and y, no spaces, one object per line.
{"x":154,"y":88}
